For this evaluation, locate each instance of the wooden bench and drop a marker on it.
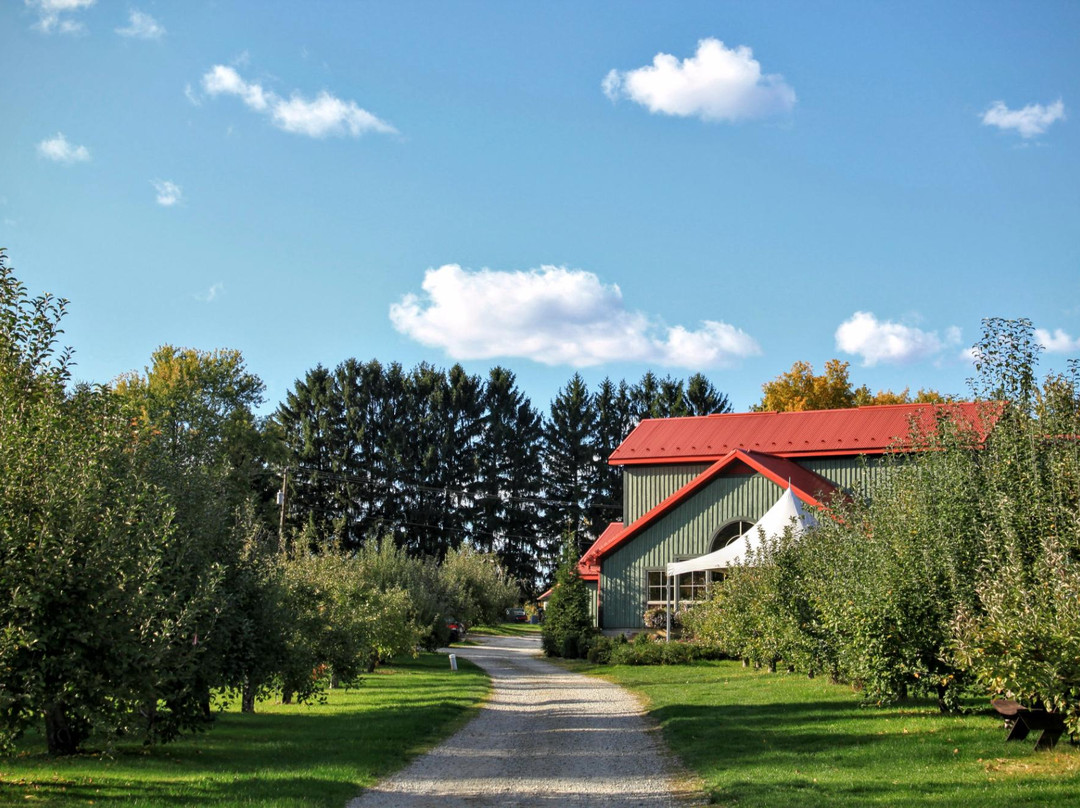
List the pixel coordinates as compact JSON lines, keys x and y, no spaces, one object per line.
{"x":1021,"y":720}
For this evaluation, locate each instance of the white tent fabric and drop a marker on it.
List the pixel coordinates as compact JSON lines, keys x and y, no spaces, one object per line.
{"x":772,"y":524}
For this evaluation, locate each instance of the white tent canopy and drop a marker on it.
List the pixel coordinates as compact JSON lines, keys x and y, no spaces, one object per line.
{"x":771,"y":525}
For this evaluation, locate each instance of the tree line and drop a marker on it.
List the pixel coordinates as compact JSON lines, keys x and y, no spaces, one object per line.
{"x":435,"y":458}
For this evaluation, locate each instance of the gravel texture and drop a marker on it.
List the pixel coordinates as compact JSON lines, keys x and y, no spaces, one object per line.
{"x":545,"y":737}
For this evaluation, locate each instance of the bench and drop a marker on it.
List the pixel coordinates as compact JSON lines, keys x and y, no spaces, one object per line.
{"x":1021,"y":720}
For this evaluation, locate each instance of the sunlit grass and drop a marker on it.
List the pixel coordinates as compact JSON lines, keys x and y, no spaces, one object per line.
{"x":506,"y":630}
{"x":756,"y":738}
{"x":283,"y":755}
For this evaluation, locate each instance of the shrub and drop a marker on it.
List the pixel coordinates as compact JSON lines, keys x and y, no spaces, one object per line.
{"x":655,"y":618}
{"x":567,"y":617}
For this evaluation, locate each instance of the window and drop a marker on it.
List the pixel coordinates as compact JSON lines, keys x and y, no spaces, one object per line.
{"x":729,"y":533}
{"x":654,"y":587}
{"x":693,"y":586}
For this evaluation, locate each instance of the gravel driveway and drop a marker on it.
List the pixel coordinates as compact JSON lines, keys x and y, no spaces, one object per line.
{"x":546,"y":737}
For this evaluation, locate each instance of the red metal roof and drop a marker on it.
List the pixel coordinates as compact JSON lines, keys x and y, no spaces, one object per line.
{"x":820,"y":433}
{"x":811,"y":488}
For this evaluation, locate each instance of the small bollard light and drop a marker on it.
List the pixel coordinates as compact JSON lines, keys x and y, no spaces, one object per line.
{"x":453,"y":662}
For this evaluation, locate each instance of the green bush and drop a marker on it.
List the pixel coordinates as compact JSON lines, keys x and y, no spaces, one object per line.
{"x":567,"y":616}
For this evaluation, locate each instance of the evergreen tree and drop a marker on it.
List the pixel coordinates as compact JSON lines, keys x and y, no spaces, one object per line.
{"x":566,"y":618}
{"x":614,"y":421}
{"x":671,"y":402}
{"x":570,"y":460}
{"x":702,"y":398}
{"x":509,"y":481}
{"x":644,"y":396}
{"x":309,"y":420}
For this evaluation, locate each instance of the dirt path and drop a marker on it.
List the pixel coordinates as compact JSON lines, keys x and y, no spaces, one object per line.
{"x":545,"y":738}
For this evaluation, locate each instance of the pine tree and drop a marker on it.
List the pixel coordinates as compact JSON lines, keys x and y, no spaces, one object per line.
{"x":614,"y":421}
{"x":702,"y":398}
{"x":570,"y":460}
{"x":566,"y":618}
{"x":506,"y":519}
{"x":311,"y":426}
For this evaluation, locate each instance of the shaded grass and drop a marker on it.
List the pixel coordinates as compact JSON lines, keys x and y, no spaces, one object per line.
{"x":507,"y":630}
{"x":283,"y":755}
{"x":780,"y":739}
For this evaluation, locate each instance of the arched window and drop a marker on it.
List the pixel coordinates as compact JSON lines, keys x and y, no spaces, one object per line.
{"x":729,"y":533}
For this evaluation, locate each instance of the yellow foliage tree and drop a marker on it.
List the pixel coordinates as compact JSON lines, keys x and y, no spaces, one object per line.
{"x":801,"y":389}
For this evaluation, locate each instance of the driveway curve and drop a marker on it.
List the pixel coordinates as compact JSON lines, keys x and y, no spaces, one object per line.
{"x":545,"y":737}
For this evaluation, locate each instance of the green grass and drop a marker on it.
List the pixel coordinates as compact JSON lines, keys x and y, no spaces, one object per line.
{"x":780,"y":739}
{"x":283,"y":755}
{"x":507,"y":630}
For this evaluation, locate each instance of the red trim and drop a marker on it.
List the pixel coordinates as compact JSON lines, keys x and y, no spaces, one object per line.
{"x":811,"y":488}
{"x":588,"y":566}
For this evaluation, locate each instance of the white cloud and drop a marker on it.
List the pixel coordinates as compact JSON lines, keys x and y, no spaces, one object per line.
{"x":52,"y":15}
{"x":60,"y":150}
{"x":556,"y":316}
{"x":324,"y":115}
{"x":1057,"y":342}
{"x":885,"y":341}
{"x":1032,"y":120}
{"x":212,"y":293}
{"x":192,"y":96}
{"x":168,"y":193}
{"x":715,"y":84}
{"x":142,"y":26}
{"x":221,"y":79}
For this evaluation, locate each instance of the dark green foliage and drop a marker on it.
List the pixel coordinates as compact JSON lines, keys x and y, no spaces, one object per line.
{"x":566,"y":617}
{"x":702,"y":397}
{"x":436,"y":458}
{"x":570,"y":463}
{"x":509,"y":484}
{"x":614,"y":420}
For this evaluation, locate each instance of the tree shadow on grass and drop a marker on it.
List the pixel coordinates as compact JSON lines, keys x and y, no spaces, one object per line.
{"x":290,"y":756}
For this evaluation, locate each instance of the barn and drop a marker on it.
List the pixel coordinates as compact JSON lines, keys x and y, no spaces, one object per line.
{"x":694,"y":485}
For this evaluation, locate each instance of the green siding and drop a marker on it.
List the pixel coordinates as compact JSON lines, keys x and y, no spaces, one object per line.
{"x":687,"y":531}
{"x":591,"y":586}
{"x":647,"y":486}
{"x":847,"y":473}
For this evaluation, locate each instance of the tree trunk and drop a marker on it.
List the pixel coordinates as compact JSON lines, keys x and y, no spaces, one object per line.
{"x":63,"y":735}
{"x":247,"y":699}
{"x":286,"y":696}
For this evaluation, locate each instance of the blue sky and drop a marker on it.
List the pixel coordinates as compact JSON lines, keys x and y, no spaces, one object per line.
{"x":603,"y":187}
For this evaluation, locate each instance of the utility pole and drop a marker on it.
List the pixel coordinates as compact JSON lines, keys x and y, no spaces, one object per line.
{"x":281,"y":501}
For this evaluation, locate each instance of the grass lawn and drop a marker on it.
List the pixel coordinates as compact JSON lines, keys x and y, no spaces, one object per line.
{"x":506,"y":630}
{"x":283,"y":755}
{"x":781,"y":739}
